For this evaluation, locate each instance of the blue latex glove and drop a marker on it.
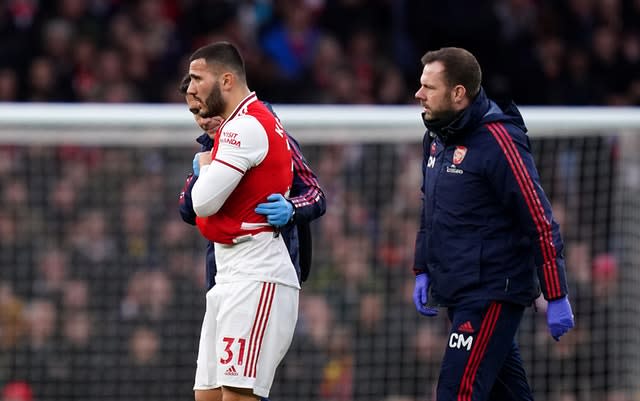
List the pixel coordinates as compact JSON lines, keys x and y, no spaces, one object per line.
{"x":278,"y":210}
{"x":559,"y":317}
{"x":420,"y":295}
{"x":196,"y":164}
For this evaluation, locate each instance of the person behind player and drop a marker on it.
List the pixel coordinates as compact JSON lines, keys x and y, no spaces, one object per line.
{"x":486,"y":229}
{"x":252,"y":310}
{"x":208,"y":124}
{"x":306,"y":201}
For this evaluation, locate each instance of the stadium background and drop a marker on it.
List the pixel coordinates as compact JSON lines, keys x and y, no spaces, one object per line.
{"x":101,"y":284}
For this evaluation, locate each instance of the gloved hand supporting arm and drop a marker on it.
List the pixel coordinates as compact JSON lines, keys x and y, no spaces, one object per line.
{"x":278,"y":210}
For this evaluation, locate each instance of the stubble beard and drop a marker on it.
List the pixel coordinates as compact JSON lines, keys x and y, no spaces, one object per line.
{"x":214,"y":103}
{"x":443,"y":113}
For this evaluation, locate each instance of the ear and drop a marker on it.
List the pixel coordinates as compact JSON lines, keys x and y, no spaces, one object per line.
{"x":227,"y":80}
{"x":459,"y":93}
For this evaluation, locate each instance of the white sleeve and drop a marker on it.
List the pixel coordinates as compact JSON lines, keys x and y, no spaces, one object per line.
{"x":243,"y":144}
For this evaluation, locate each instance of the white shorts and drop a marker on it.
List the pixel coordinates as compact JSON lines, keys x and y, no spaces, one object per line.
{"x":247,"y":330}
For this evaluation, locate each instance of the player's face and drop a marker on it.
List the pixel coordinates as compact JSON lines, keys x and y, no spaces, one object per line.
{"x":434,"y":94}
{"x":205,"y":89}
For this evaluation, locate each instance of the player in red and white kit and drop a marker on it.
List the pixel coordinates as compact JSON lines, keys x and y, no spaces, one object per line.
{"x":252,"y":311}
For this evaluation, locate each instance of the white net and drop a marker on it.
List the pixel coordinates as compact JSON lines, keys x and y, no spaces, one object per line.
{"x":102,"y":284}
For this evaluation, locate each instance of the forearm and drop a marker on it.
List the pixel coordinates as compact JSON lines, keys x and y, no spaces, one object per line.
{"x":309,"y":207}
{"x":419,"y":264}
{"x":185,"y":205}
{"x":306,"y":195}
{"x":215,"y":184}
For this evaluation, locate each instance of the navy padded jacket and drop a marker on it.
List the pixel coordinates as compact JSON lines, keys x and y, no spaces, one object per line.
{"x":486,"y":228}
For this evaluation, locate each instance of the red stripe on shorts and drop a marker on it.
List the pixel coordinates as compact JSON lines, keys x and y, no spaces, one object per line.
{"x":259,"y":327}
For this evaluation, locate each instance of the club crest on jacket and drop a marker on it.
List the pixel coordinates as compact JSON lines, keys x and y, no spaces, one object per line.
{"x":459,"y":154}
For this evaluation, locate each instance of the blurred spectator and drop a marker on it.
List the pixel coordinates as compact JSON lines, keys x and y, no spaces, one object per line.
{"x":605,"y":276}
{"x":337,"y":375}
{"x":606,"y":61}
{"x":308,"y":354}
{"x":53,"y":271}
{"x":144,"y":373}
{"x":391,"y":86}
{"x":12,"y":324}
{"x":579,"y":88}
{"x":92,"y":245}
{"x":631,"y":64}
{"x":15,"y":251}
{"x":135,"y":242}
{"x":12,"y":329}
{"x":76,"y":357}
{"x":75,"y":297}
{"x":15,"y":194}
{"x":362,"y":56}
{"x":57,"y":45}
{"x":17,"y":391}
{"x":42,"y":81}
{"x":8,"y":85}
{"x":290,"y":43}
{"x":328,"y":58}
{"x":374,"y":368}
{"x":36,"y":353}
{"x":345,"y":17}
{"x":63,"y":206}
{"x":84,"y":78}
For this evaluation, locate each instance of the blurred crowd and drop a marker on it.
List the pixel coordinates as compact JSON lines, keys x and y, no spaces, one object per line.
{"x":571,"y":52}
{"x":102,"y":285}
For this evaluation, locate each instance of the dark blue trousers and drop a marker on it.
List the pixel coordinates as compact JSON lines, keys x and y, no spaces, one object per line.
{"x":482,"y":361}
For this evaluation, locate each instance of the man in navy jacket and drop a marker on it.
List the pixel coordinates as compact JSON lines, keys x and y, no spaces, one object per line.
{"x":487,"y":240}
{"x":306,"y":201}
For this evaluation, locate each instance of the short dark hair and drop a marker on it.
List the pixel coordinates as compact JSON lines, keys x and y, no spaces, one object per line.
{"x":223,"y":54}
{"x":184,"y":84}
{"x":460,"y":68}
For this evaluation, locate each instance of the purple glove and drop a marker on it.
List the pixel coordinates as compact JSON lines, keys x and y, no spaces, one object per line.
{"x":559,"y":317}
{"x":420,"y":295}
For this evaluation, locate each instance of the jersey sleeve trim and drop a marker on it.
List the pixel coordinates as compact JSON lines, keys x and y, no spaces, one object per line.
{"x":230,"y":165}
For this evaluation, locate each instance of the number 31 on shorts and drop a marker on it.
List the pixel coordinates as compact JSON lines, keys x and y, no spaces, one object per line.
{"x":229,"y":354}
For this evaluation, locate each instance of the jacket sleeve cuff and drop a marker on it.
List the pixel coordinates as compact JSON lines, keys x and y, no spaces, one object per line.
{"x":562,"y":295}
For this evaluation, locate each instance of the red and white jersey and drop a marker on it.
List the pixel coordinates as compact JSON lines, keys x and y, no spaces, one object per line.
{"x":251,"y":160}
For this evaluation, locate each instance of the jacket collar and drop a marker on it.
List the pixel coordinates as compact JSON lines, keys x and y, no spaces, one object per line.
{"x":240,"y":108}
{"x":205,"y":141}
{"x":505,"y":111}
{"x":463,"y":121}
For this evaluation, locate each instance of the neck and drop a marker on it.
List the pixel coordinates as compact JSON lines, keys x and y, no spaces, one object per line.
{"x":235,"y":98}
{"x":463,"y":105}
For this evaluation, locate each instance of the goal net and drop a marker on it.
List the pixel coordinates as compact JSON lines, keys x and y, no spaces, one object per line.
{"x":102,"y":284}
